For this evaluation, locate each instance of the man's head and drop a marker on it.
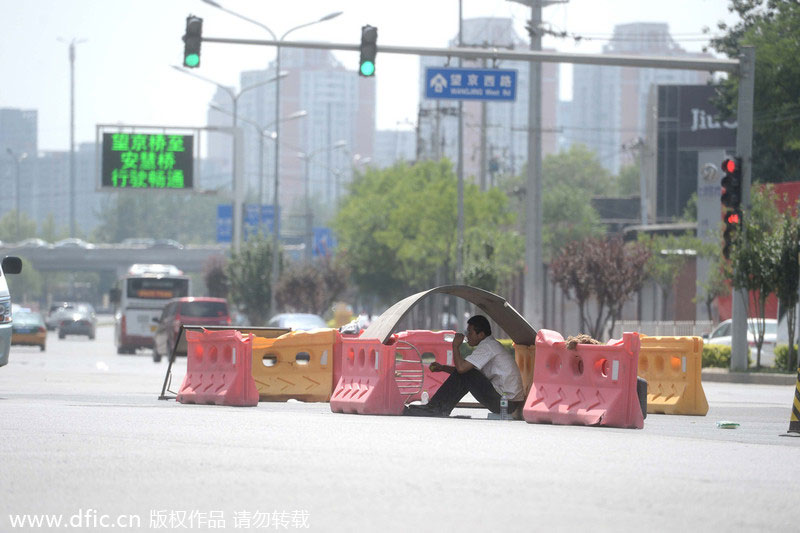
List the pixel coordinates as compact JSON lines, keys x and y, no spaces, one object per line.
{"x":478,"y":328}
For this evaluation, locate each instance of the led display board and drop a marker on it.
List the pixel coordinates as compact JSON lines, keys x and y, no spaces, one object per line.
{"x":147,"y":161}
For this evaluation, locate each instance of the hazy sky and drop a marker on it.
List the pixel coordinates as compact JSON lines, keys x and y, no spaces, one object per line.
{"x":123,"y":72}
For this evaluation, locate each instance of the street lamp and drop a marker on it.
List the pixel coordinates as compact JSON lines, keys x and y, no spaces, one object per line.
{"x":17,"y":160}
{"x":237,"y":197}
{"x":72,"y":44}
{"x":263,"y":132}
{"x":307,"y":157}
{"x":277,"y":225}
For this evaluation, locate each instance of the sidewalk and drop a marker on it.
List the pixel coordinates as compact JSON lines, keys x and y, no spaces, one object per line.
{"x":759,"y":378}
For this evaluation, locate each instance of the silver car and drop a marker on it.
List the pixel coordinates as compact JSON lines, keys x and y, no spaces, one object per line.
{"x":722,"y":335}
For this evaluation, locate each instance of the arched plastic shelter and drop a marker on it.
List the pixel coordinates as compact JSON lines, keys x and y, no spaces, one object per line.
{"x":494,"y":306}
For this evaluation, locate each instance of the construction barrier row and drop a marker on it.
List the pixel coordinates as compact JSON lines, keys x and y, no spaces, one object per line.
{"x":592,"y":385}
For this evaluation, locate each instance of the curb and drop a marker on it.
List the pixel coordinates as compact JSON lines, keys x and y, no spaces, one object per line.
{"x":721,"y":375}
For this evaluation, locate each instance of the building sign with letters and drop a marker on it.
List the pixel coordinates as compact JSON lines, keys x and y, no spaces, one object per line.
{"x":147,"y":161}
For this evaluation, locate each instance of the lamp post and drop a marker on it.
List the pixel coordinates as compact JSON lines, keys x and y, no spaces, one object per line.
{"x":237,"y":196}
{"x":17,"y":160}
{"x":307,"y":157}
{"x":72,"y":44}
{"x":277,"y":224}
{"x":263,"y":132}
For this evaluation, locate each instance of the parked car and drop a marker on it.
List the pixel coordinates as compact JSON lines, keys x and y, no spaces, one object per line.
{"x":167,"y":243}
{"x":28,"y":329}
{"x":189,"y":311}
{"x":722,"y":335}
{"x":33,"y":243}
{"x":73,"y":243}
{"x":80,"y":320}
{"x":297,"y":321}
{"x":138,"y":242}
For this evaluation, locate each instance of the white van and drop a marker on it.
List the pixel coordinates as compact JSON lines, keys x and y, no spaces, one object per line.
{"x":10,"y":265}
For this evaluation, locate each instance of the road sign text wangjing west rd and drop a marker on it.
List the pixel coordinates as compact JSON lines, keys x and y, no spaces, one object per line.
{"x":470,"y":84}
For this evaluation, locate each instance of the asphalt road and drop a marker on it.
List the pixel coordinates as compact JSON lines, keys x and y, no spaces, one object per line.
{"x":84,"y":437}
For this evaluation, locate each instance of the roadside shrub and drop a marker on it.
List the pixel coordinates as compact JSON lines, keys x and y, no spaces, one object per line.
{"x":716,"y":356}
{"x":782,"y":358}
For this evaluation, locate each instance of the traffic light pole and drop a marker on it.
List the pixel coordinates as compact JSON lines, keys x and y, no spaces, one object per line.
{"x":744,"y":150}
{"x":744,"y":66}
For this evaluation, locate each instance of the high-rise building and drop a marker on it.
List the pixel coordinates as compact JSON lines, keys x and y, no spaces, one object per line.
{"x":339,"y":125}
{"x":393,"y":146}
{"x":609,"y":104}
{"x":495,"y":133}
{"x":18,"y":131}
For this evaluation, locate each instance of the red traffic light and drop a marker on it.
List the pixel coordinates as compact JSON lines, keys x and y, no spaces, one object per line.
{"x":729,"y":166}
{"x":733,"y":218}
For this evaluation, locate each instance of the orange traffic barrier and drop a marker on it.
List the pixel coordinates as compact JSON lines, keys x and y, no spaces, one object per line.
{"x":525,"y":357}
{"x":672,"y":367}
{"x":218,"y":369}
{"x":415,"y":349}
{"x":593,"y":385}
{"x":303,"y":365}
{"x":368,"y":383}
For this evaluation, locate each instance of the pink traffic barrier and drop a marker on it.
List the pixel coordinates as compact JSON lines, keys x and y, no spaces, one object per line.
{"x":593,"y":385}
{"x":367,"y":383}
{"x":218,"y":369}
{"x":425,"y":342}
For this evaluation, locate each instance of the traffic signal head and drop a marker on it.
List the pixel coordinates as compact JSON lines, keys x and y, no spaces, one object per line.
{"x":732,"y":182}
{"x":369,"y":48}
{"x":733,"y":220}
{"x":192,"y":40}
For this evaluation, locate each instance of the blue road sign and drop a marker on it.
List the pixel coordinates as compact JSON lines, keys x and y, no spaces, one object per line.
{"x":471,"y":84}
{"x":224,"y":222}
{"x":324,"y":241}
{"x":254,"y":220}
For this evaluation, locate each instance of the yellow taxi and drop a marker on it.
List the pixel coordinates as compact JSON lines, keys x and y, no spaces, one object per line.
{"x":27,"y":328}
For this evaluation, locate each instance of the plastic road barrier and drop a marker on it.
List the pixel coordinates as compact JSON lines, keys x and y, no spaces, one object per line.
{"x":218,"y":369}
{"x":367,"y":385}
{"x":304,"y":365}
{"x":593,"y":385}
{"x":672,"y":367}
{"x":417,"y":345}
{"x":525,"y":357}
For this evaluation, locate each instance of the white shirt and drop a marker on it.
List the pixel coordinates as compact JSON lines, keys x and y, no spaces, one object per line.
{"x":499,"y":366}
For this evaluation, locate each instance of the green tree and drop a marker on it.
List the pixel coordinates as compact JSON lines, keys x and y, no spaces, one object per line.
{"x":215,"y":276}
{"x":49,"y":232}
{"x":183,"y":217}
{"x":628,"y":181}
{"x":397,"y":230}
{"x":8,"y":227}
{"x":771,"y":26}
{"x":26,"y":287}
{"x":604,"y":271}
{"x":788,"y":278}
{"x":249,"y":273}
{"x":312,"y":288}
{"x":755,"y":259}
{"x":668,"y":256}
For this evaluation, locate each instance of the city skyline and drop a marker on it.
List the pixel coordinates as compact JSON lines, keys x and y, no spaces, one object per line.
{"x":114,"y":85}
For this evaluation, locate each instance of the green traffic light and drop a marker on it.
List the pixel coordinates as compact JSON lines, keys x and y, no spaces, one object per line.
{"x":192,"y":60}
{"x":367,"y":68}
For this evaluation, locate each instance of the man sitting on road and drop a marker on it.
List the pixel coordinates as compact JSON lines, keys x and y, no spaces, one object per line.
{"x":488,"y":373}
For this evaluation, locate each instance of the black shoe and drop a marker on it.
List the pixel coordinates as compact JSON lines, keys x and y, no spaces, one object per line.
{"x":422,"y":410}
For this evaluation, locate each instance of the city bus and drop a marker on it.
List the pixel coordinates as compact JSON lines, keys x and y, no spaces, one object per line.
{"x":140,"y":297}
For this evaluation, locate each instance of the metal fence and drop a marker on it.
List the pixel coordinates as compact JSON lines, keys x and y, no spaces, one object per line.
{"x":685,"y":328}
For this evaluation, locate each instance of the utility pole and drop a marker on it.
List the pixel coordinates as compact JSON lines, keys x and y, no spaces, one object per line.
{"x":533,"y":284}
{"x":460,"y":171}
{"x":72,"y":43}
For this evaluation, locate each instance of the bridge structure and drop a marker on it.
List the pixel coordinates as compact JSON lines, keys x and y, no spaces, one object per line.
{"x":115,"y":257}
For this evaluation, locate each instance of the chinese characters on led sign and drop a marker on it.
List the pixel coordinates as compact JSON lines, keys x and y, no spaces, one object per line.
{"x":147,"y":161}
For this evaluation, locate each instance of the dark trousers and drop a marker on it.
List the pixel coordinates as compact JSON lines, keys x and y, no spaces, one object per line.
{"x":458,"y":385}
